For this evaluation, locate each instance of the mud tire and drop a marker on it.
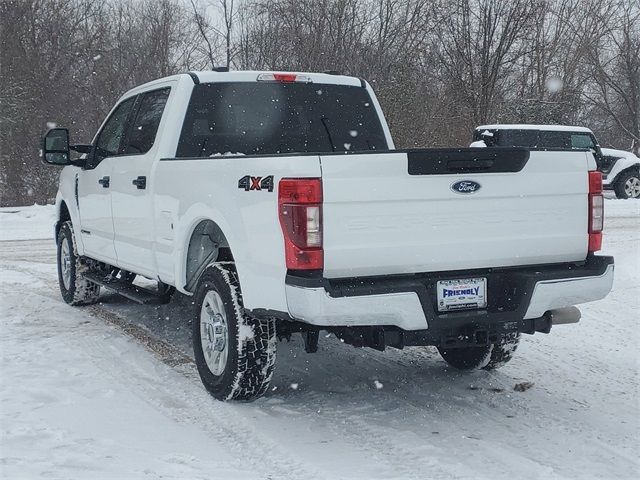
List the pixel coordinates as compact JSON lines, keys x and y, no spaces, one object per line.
{"x":251,"y":341}
{"x":78,"y":290}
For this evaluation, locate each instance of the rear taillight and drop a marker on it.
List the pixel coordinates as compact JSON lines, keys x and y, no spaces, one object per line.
{"x":596,"y":211}
{"x":300,"y":210}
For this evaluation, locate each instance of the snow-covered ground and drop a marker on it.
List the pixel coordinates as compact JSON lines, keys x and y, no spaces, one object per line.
{"x":110,"y":391}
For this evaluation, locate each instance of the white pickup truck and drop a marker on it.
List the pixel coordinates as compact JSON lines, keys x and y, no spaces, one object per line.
{"x":277,"y":201}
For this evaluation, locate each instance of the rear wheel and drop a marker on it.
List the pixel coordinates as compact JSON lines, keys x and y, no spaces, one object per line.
{"x":75,"y":289}
{"x":234,"y":352}
{"x":628,"y":185}
{"x":487,"y":357}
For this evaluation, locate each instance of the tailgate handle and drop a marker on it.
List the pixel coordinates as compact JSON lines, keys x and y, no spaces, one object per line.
{"x":475,"y":165}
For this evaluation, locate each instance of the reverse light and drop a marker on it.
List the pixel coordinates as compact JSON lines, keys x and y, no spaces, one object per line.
{"x":284,"y":78}
{"x":300,"y":212}
{"x":596,"y":211}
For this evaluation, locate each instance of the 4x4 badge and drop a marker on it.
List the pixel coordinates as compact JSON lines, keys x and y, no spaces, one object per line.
{"x":248,"y":182}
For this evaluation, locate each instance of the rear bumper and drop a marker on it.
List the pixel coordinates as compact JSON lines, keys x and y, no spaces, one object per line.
{"x":517,"y":297}
{"x":565,"y":292}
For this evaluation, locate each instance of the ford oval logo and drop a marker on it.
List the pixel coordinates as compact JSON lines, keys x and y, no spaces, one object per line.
{"x":465,"y":187}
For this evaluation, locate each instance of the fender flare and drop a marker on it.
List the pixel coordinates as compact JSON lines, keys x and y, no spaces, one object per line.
{"x":67,"y":196}
{"x":621,"y":166}
{"x":196,"y":214}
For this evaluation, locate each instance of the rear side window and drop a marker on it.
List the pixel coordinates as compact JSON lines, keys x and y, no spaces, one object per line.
{"x":255,"y":118}
{"x":144,"y":127}
{"x":546,"y":139}
{"x":518,"y":138}
{"x":556,"y":139}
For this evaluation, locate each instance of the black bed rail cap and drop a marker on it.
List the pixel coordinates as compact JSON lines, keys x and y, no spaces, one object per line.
{"x":467,"y":160}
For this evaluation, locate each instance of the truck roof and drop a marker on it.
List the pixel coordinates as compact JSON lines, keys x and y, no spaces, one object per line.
{"x":522,"y":126}
{"x":252,"y":76}
{"x":210,"y":76}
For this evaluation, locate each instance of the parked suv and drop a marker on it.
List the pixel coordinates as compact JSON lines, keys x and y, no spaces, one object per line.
{"x":620,"y":173}
{"x":620,"y":169}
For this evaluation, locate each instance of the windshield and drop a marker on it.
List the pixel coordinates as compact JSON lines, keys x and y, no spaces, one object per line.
{"x":271,"y":118}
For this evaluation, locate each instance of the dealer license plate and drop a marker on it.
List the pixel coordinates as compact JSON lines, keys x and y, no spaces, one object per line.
{"x":462,"y":294}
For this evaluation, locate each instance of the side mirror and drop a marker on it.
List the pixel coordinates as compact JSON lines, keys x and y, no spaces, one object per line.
{"x":55,"y":147}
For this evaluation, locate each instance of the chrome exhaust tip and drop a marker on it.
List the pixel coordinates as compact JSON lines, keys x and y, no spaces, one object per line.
{"x":560,"y":316}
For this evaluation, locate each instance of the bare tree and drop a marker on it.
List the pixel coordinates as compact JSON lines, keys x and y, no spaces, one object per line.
{"x":216,"y":32}
{"x":66,"y":62}
{"x":478,"y":45}
{"x":552,"y":74}
{"x":616,"y":76}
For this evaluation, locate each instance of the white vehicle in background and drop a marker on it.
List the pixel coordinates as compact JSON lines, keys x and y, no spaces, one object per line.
{"x":620,"y":169}
{"x":278,"y":203}
{"x":620,"y":172}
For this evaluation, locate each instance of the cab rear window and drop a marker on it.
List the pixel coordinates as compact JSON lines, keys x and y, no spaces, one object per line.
{"x":255,"y":118}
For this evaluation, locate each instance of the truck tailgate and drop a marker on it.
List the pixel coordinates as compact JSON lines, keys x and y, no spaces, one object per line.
{"x":380,"y":219}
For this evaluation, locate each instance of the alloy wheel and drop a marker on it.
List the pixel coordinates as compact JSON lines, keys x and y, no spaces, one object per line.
{"x":214,"y":335}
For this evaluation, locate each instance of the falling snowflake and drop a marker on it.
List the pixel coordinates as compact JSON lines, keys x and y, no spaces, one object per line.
{"x":554,"y":84}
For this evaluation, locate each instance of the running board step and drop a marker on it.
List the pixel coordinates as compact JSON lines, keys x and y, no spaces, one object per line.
{"x":132,"y":292}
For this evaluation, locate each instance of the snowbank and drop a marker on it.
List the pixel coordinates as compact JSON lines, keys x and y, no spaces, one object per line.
{"x":24,"y":223}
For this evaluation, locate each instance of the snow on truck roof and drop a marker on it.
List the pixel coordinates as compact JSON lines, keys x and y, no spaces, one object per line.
{"x":522,"y":126}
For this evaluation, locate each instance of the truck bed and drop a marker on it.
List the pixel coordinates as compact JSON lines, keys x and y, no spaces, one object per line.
{"x":385,"y":213}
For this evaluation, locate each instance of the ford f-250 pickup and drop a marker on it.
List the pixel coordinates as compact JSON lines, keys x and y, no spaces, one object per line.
{"x":278,"y":203}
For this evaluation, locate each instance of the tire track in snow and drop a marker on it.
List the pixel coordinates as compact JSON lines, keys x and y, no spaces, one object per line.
{"x":350,"y":423}
{"x":220,"y":420}
{"x":362,"y":437}
{"x":405,"y":463}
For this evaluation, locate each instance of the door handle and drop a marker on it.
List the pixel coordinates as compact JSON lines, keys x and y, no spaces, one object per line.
{"x":140,"y":182}
{"x":104,"y":181}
